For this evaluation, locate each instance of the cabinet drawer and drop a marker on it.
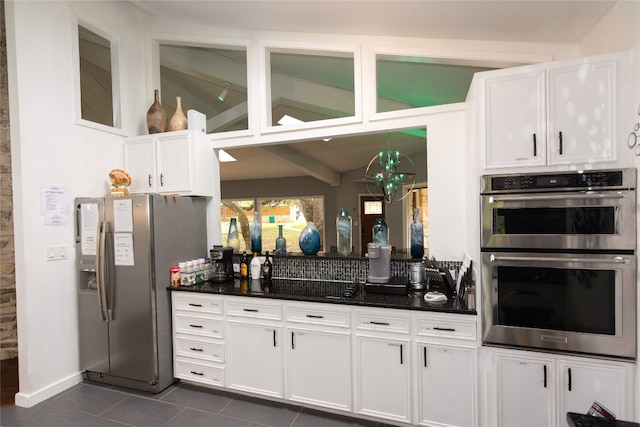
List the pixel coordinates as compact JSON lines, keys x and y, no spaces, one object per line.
{"x":255,"y":310}
{"x":202,"y":372}
{"x":198,"y":325}
{"x":202,"y":349}
{"x":318,"y":316}
{"x":446,"y":328}
{"x":197,"y":303}
{"x":382,"y":322}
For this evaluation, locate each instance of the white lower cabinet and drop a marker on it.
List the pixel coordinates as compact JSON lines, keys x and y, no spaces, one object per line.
{"x":383,"y":377}
{"x":318,"y":367}
{"x":534,"y":389}
{"x":406,"y":367}
{"x":446,"y":385}
{"x":255,"y":347}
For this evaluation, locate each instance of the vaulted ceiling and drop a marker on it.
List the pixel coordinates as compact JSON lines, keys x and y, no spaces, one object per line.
{"x":559,"y":21}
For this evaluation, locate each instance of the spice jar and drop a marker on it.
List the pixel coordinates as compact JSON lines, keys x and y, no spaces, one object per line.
{"x":175,"y":275}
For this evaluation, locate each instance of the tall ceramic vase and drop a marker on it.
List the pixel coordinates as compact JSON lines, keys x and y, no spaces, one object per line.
{"x":343,"y":228}
{"x":232,"y":237}
{"x":417,"y":236}
{"x":156,"y":116}
{"x":256,"y":234}
{"x":310,"y":239}
{"x":178,"y":120}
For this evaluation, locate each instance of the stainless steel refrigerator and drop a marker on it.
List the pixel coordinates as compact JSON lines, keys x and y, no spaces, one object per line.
{"x":125,"y":247}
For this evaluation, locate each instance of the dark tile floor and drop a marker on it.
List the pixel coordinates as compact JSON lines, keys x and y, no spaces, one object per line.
{"x":181,"y":405}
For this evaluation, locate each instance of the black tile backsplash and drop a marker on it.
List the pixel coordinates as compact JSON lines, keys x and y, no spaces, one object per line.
{"x":335,"y":268}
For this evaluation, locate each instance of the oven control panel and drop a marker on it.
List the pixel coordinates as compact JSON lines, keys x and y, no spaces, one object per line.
{"x":560,"y":181}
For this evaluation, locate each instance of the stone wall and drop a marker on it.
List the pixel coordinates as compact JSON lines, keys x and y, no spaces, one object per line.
{"x":8,"y":321}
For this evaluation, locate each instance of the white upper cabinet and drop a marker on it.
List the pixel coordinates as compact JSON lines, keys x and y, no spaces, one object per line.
{"x":552,"y":114}
{"x":516,"y":119}
{"x":172,"y":162}
{"x":582,"y":105}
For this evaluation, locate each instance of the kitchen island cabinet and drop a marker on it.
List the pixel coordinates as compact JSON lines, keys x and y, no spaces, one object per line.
{"x":533,"y":389}
{"x":341,"y":355}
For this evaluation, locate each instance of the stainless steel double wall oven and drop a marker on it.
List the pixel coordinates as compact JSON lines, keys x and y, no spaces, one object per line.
{"x":558,"y":261}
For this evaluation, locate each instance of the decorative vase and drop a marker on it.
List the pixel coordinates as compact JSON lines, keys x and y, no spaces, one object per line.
{"x":417,"y":236}
{"x":256,"y":234}
{"x":232,"y":236}
{"x":156,"y":116}
{"x":310,"y":239}
{"x":281,"y":242}
{"x":178,"y":120}
{"x":343,"y":228}
{"x":381,"y":232}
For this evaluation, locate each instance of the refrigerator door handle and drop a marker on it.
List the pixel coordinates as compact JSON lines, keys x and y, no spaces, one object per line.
{"x":101,"y":271}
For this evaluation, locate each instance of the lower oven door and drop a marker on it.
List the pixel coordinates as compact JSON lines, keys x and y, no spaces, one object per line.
{"x":561,"y":302}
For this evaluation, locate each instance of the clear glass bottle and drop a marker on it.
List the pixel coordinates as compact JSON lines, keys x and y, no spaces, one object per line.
{"x":343,"y":229}
{"x":281,"y":242}
{"x":380,"y":232}
{"x":417,"y":236}
{"x":256,"y":234}
{"x":232,"y":237}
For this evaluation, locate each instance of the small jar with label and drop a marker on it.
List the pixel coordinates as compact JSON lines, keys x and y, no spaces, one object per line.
{"x":189,"y":277}
{"x":175,"y":275}
{"x":183,"y":274}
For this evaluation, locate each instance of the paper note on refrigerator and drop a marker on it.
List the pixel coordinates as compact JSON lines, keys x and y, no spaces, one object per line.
{"x":89,"y":218}
{"x":123,"y":248}
{"x":122,"y":215}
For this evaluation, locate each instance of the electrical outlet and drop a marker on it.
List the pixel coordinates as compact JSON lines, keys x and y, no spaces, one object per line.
{"x":56,"y":253}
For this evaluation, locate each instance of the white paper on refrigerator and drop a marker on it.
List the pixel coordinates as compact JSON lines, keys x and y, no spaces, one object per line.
{"x":123,"y":248}
{"x":89,"y":218}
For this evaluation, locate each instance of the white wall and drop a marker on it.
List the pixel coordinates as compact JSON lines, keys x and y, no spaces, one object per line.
{"x":49,"y":148}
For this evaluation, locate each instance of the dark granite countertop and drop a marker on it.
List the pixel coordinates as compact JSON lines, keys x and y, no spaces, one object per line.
{"x":326,"y":292}
{"x":580,"y":420}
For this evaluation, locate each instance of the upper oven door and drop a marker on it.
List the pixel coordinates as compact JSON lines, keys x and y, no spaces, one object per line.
{"x":582,"y":220}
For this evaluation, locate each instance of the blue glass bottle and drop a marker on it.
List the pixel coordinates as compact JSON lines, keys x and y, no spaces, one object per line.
{"x":256,"y":234}
{"x":381,"y":232}
{"x":281,"y":242}
{"x":417,"y":236}
{"x":310,"y":241}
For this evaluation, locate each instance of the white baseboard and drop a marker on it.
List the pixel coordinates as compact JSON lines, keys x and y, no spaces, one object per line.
{"x":25,"y":400}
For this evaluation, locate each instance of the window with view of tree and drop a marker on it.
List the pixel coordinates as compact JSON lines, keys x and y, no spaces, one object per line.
{"x":292,"y":213}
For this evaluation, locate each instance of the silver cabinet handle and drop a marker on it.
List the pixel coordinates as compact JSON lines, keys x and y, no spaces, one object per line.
{"x":582,"y":196}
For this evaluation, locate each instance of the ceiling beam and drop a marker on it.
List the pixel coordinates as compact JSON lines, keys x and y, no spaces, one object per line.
{"x":304,"y":163}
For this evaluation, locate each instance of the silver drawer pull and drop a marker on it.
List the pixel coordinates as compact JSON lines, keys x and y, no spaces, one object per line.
{"x":197,"y":373}
{"x":315,"y":316}
{"x":195,"y":305}
{"x":379,"y":323}
{"x":196,"y":326}
{"x":196,"y":349}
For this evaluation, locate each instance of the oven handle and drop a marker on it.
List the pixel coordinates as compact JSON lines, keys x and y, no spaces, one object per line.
{"x":582,"y":196}
{"x":614,"y":260}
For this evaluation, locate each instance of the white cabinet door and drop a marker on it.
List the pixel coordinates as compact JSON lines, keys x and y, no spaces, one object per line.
{"x":581,"y":384}
{"x":318,"y":367}
{"x":526,"y":396}
{"x":140,"y":162}
{"x":383,"y":377}
{"x":446,"y":385}
{"x":174,"y":163}
{"x":582,"y":101}
{"x":255,"y":358}
{"x":515,"y":124}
